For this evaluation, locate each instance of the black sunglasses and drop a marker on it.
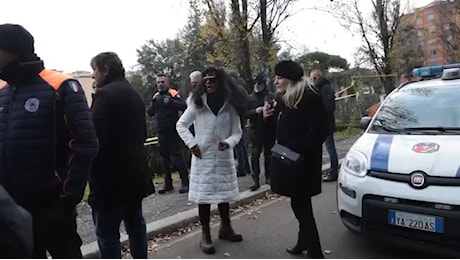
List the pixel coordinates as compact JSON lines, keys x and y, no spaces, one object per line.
{"x":211,"y":80}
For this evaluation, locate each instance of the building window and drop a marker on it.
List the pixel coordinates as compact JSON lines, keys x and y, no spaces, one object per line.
{"x":419,"y":20}
{"x":433,"y":52}
{"x":432,"y":41}
{"x":430,"y":16}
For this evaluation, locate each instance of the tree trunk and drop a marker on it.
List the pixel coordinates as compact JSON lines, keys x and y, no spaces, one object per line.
{"x":267,"y":43}
{"x":266,"y":37}
{"x":243,"y":57}
{"x":246,"y":73}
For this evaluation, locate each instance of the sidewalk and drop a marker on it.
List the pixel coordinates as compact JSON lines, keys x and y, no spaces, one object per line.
{"x":168,"y":212}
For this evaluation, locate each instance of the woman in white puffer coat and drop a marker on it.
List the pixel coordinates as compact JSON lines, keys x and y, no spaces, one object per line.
{"x":214,"y":109}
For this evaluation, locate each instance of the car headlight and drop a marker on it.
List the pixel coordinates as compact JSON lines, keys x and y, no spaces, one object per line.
{"x":355,"y":163}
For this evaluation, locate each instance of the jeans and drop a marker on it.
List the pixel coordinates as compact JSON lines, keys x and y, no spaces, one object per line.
{"x":330,"y":146}
{"x":55,"y":231}
{"x":107,"y":222}
{"x":242,"y":154}
{"x":257,"y":148}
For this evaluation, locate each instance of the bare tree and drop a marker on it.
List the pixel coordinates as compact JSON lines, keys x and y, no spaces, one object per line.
{"x":448,"y":27}
{"x":407,"y":51}
{"x":377,"y":31}
{"x":272,"y":14}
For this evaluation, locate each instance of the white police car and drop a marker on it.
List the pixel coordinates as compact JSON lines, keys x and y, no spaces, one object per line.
{"x":401,"y":179}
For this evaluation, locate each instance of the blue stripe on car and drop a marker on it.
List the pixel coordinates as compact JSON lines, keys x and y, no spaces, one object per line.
{"x":381,"y":153}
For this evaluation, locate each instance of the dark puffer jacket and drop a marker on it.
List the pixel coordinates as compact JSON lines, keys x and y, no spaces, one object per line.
{"x":165,"y":106}
{"x":47,"y":137}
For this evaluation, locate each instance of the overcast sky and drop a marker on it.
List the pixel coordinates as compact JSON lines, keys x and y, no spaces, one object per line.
{"x":68,"y":33}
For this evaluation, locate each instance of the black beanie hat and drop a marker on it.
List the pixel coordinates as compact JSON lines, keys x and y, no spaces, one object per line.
{"x":15,"y":39}
{"x":260,"y":79}
{"x":289,"y":69}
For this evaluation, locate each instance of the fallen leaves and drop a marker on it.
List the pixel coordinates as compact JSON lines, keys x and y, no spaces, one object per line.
{"x":155,"y":243}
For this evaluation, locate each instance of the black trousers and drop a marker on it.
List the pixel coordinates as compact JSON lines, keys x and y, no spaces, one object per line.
{"x":171,"y":151}
{"x":258,"y":147}
{"x":55,"y":231}
{"x":308,"y":232}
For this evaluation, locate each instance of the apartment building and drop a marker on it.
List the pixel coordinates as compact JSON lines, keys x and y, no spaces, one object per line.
{"x":432,"y":24}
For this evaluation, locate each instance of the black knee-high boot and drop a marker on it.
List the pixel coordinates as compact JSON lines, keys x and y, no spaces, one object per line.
{"x":226,"y":231}
{"x":204,"y":212}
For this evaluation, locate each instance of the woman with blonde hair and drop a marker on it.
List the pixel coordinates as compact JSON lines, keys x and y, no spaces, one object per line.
{"x":299,"y":119}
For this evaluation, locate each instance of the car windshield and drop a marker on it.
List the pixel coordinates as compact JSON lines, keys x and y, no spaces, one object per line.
{"x":434,"y":110}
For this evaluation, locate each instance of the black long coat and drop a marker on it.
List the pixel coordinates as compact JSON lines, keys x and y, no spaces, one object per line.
{"x":120,"y":169}
{"x":303,"y":130}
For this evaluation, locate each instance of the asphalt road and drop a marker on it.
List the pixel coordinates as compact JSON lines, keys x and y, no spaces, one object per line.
{"x":274,"y":228}
{"x":159,"y":206}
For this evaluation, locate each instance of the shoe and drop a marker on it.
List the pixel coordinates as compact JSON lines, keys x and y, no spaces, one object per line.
{"x":295,"y":250}
{"x":255,"y":186}
{"x":183,"y":189}
{"x":206,"y":243}
{"x":226,"y":232}
{"x":166,"y":189}
{"x":315,"y":256}
{"x":329,"y":178}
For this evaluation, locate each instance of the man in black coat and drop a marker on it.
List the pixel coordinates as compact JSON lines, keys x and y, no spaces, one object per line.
{"x":120,"y":179}
{"x":328,"y":94}
{"x":262,"y":139}
{"x":166,"y":105}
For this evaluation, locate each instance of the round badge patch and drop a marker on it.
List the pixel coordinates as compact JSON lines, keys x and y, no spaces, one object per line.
{"x":32,"y":104}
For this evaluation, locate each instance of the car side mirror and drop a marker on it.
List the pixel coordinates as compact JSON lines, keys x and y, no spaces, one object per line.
{"x":364,"y":122}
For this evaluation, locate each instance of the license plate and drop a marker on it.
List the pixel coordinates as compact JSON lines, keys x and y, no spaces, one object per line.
{"x":416,"y":221}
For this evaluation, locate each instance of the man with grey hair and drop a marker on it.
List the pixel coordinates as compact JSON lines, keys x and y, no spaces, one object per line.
{"x":328,"y":94}
{"x":195,"y":78}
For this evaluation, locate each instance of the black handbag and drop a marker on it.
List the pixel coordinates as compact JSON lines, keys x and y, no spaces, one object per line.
{"x":284,"y":168}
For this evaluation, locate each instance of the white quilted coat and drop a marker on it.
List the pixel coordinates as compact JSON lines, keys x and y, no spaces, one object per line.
{"x":213,"y":177}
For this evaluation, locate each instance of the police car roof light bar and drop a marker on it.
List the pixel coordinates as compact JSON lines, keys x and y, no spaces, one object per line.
{"x":433,"y":71}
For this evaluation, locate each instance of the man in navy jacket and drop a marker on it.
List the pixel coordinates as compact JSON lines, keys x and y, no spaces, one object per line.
{"x":47,"y":143}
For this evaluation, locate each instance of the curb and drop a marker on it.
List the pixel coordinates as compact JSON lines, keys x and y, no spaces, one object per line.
{"x":182,"y":219}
